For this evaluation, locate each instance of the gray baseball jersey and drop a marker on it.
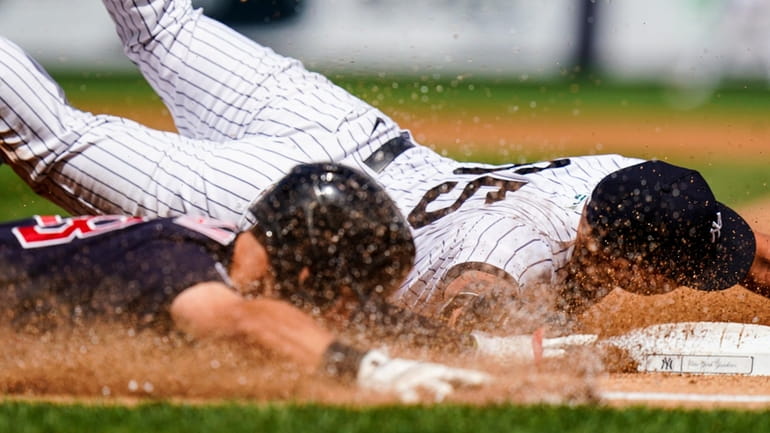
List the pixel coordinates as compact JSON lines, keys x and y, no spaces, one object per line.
{"x":246,"y":116}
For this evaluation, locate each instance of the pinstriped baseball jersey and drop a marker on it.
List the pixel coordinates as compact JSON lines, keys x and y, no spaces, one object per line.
{"x":521,"y":219}
{"x":246,"y":116}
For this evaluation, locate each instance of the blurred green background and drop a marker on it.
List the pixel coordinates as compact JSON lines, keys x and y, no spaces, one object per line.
{"x":558,"y":109}
{"x":499,"y":118}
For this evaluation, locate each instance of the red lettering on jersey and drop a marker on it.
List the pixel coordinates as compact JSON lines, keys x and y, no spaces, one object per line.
{"x":56,"y":230}
{"x":219,"y":231}
{"x":48,"y":220}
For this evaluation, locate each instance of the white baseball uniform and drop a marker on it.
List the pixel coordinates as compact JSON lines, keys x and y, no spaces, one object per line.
{"x":521,"y":219}
{"x":246,"y":116}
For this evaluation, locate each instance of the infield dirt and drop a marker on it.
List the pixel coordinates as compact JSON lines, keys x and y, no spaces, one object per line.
{"x":110,"y":363}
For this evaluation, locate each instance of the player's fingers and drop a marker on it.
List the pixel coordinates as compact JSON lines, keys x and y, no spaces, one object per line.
{"x":408,"y":395}
{"x":441,"y":390}
{"x":462,"y":377}
{"x":437,"y":388}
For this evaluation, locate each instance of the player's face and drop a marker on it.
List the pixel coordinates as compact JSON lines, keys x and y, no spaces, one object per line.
{"x":592,"y":273}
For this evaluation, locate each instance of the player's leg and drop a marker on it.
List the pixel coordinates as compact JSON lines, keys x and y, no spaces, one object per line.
{"x":34,"y":119}
{"x":221,"y":86}
{"x":205,"y":90}
{"x":104,"y":164}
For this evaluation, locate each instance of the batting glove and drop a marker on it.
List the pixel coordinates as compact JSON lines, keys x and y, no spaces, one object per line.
{"x":406,"y":378}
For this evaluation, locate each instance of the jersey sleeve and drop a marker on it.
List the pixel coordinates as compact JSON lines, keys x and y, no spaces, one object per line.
{"x":492,"y":244}
{"x":108,"y":266}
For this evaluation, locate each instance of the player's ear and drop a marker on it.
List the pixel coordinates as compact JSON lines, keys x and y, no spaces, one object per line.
{"x":304,"y":274}
{"x":250,"y":270}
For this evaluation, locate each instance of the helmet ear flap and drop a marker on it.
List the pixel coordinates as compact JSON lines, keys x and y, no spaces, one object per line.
{"x":336,"y":226}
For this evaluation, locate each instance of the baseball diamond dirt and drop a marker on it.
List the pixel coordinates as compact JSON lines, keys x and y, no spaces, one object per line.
{"x":115,"y":363}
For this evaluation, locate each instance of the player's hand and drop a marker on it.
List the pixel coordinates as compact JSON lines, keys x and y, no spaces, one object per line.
{"x":528,"y":347}
{"x":408,"y":378}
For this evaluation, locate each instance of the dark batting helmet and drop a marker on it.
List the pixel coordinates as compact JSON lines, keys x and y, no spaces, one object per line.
{"x":326,"y":226}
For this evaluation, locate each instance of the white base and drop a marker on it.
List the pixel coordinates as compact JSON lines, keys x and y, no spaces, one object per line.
{"x":699,"y":348}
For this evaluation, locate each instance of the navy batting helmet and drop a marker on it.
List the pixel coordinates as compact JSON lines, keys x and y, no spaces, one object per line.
{"x":325,"y":226}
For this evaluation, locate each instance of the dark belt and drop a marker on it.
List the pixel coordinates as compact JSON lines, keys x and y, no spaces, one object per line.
{"x":383,"y":156}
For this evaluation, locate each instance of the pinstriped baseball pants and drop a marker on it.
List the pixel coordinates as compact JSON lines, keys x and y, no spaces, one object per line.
{"x":245,"y":117}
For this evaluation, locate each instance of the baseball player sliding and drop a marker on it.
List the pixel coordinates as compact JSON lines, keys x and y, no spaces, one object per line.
{"x":247,"y":115}
{"x":208,"y":279}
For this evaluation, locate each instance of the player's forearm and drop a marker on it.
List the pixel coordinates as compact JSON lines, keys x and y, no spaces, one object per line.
{"x":211,"y":310}
{"x":285,"y":330}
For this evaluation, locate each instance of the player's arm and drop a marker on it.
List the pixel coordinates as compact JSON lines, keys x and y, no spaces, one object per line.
{"x":211,"y":309}
{"x":475,"y":296}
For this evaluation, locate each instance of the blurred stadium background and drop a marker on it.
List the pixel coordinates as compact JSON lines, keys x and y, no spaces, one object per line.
{"x":695,"y":47}
{"x":689,"y":41}
{"x":684,"y":80}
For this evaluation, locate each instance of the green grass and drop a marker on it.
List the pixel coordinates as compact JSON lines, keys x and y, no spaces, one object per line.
{"x":560,"y":97}
{"x":112,"y":87}
{"x":18,"y":201}
{"x":474,"y":94}
{"x":734,"y":183}
{"x":233,"y":418}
